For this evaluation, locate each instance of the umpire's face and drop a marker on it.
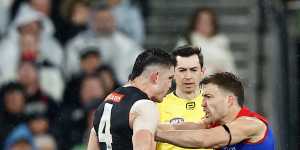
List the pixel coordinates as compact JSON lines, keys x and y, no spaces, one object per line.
{"x":188,"y":73}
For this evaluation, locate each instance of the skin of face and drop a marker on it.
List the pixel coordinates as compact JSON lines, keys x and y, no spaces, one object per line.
{"x":14,"y":102}
{"x":21,"y":146}
{"x":42,"y":6}
{"x":80,"y":14}
{"x":163,"y":83}
{"x":91,"y":88}
{"x":90,"y":64}
{"x":204,"y":24}
{"x":104,"y":22}
{"x":28,"y":74}
{"x":215,"y":103}
{"x":188,"y":74}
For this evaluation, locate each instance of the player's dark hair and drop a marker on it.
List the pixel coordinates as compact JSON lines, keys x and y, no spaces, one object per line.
{"x":187,"y":51}
{"x":227,"y":81}
{"x":150,"y":57}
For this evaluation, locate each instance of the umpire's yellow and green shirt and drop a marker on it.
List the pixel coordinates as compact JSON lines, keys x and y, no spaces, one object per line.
{"x":175,"y":110}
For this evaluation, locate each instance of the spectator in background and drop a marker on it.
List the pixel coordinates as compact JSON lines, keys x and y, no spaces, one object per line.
{"x":129,"y":19}
{"x":90,"y":59}
{"x":12,"y":104}
{"x":36,"y":126}
{"x":45,"y":142}
{"x":20,"y":138}
{"x":75,"y":14}
{"x":91,"y":95}
{"x":28,"y":37}
{"x":43,"y":7}
{"x":38,"y":122}
{"x":4,"y":14}
{"x":108,"y":76}
{"x":112,"y":44}
{"x":203,"y":32}
{"x":36,"y":99}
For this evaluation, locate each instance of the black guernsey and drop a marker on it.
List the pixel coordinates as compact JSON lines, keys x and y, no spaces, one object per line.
{"x":112,"y":118}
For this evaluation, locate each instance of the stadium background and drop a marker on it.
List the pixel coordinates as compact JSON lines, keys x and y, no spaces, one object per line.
{"x":264,"y":40}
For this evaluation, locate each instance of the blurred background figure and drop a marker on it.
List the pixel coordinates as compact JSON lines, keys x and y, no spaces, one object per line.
{"x":77,"y":115}
{"x":90,"y":60}
{"x":112,"y":44}
{"x":37,"y":101}
{"x":12,"y":106}
{"x":43,"y":7}
{"x":203,"y":32}
{"x":76,"y":15}
{"x":108,"y":77}
{"x":20,"y":139}
{"x":4,"y":15}
{"x":28,"y":38}
{"x":45,"y":142}
{"x":128,"y":18}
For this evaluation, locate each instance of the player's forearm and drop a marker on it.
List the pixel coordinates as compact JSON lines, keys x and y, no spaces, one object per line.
{"x":181,"y":126}
{"x":143,"y":140}
{"x":93,"y":144}
{"x":188,"y":126}
{"x":182,"y":138}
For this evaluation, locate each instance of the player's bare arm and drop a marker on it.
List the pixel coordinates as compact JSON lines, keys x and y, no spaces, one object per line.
{"x":240,"y":129}
{"x":182,"y":126}
{"x":93,"y":144}
{"x":144,"y":117}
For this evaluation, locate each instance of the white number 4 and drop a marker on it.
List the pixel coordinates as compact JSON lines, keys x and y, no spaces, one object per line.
{"x":104,"y":134}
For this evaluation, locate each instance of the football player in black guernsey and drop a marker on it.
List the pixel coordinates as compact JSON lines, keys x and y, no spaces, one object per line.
{"x":128,"y":117}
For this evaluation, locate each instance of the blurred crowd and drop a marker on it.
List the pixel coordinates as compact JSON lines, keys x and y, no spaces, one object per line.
{"x":59,"y":59}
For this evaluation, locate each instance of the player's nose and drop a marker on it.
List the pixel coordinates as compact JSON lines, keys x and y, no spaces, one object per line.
{"x":204,"y":103}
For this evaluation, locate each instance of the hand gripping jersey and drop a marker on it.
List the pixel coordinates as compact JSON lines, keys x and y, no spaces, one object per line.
{"x":266,"y":143}
{"x":111,"y":121}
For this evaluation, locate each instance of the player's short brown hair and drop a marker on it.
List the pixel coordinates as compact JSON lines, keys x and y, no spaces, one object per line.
{"x":227,"y":81}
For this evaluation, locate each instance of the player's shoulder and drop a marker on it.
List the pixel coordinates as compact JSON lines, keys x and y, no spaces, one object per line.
{"x":250,"y":124}
{"x":144,"y":107}
{"x":143,"y":104}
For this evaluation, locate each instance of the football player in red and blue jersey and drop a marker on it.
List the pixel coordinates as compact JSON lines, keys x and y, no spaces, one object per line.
{"x":228,"y":124}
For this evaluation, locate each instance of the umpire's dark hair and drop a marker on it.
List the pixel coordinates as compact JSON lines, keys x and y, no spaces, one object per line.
{"x":150,"y":57}
{"x":227,"y":81}
{"x":187,"y":51}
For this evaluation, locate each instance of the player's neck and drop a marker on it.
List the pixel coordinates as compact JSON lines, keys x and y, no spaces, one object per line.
{"x":232,"y":114}
{"x":143,"y":86}
{"x":188,"y":96}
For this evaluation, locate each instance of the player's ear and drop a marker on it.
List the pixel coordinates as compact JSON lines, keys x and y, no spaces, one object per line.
{"x":154,"y":77}
{"x":231,"y":99}
{"x":203,"y":70}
